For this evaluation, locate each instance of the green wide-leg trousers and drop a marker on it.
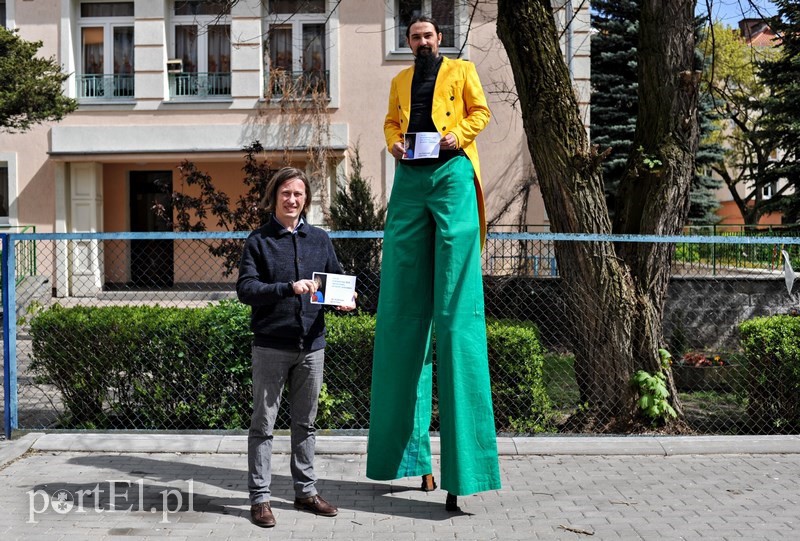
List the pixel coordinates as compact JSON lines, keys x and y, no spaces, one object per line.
{"x":431,"y":280}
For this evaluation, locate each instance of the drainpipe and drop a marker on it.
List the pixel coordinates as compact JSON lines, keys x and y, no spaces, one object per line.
{"x":569,"y":14}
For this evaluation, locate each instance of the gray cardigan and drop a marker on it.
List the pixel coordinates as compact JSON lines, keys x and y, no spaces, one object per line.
{"x":272,"y":258}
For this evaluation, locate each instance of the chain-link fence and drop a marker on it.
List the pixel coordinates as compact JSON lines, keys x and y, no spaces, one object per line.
{"x":142,"y":331}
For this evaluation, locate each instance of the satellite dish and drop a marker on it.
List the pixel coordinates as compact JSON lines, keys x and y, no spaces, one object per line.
{"x":788,"y":272}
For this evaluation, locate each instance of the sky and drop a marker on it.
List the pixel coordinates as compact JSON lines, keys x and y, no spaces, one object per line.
{"x":730,"y":12}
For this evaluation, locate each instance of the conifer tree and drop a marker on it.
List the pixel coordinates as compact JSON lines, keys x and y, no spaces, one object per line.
{"x":780,"y":128}
{"x":30,"y":86}
{"x":615,"y":105}
{"x":614,"y":85}
{"x":353,"y":208}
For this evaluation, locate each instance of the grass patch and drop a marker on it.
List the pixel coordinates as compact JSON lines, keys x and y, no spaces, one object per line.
{"x":559,"y":380}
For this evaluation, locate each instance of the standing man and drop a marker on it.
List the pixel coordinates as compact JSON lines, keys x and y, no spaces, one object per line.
{"x":275,"y":279}
{"x":431,"y":279}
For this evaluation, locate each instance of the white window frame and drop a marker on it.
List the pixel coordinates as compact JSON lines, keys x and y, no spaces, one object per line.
{"x":767,"y":191}
{"x":296,"y":20}
{"x":396,"y":52}
{"x":9,"y":160}
{"x":10,"y":23}
{"x":201,"y":22}
{"x":108,"y":24}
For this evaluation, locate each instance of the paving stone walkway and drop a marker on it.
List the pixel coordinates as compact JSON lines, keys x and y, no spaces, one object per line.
{"x":51,"y":492}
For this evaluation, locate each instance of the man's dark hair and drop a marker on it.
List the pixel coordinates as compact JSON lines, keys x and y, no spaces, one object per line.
{"x":277,"y":180}
{"x":422,"y":19}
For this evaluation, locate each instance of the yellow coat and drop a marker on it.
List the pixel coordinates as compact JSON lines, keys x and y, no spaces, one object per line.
{"x":459,"y":107}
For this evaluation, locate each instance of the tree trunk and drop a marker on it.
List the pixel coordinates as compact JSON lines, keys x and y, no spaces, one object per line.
{"x":615,"y":293}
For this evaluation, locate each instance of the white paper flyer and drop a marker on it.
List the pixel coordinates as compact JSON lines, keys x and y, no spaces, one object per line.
{"x":421,"y":145}
{"x":334,"y":289}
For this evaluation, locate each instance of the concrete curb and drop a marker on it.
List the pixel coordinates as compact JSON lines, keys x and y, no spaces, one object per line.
{"x":13,"y":449}
{"x":507,"y":446}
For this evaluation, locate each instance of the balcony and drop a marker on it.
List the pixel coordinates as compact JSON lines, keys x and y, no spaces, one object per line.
{"x":199,"y":85}
{"x":298,"y":85}
{"x":110,"y":87}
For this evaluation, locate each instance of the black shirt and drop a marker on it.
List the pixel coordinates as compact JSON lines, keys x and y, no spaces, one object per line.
{"x":420,"y":119}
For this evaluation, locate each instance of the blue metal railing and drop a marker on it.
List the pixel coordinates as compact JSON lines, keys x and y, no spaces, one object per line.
{"x":9,"y":271}
{"x":25,"y":252}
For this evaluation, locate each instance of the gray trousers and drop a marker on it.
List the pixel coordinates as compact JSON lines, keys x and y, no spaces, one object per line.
{"x":272,"y":369}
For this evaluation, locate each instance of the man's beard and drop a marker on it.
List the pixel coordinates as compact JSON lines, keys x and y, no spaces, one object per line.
{"x":424,"y":61}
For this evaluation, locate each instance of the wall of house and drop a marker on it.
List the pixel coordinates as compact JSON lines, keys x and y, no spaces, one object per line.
{"x":365,"y":67}
{"x":729,"y":213}
{"x":152,"y":131}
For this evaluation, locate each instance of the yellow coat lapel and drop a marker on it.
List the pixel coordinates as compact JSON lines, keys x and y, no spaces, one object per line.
{"x":459,"y":107}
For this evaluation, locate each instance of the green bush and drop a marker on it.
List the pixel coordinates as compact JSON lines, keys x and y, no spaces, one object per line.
{"x":771,"y":347}
{"x":348,"y":370}
{"x":516,"y":361}
{"x":147,"y":367}
{"x":140,"y":367}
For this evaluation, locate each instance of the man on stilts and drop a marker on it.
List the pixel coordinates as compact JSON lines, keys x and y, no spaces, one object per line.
{"x":431,"y":283}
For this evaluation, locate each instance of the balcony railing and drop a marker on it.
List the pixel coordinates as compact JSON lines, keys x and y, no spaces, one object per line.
{"x":94,"y":86}
{"x":25,"y":252}
{"x":297,"y":84}
{"x":199,"y":85}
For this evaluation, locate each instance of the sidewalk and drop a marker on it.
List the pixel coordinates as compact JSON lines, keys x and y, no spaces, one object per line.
{"x":99,"y":486}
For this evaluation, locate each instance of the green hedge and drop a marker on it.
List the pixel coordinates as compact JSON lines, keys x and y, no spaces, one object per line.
{"x":516,"y":366}
{"x":151,"y":367}
{"x":771,"y":347}
{"x":146,"y":366}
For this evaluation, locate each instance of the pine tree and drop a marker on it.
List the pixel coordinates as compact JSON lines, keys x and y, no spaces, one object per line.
{"x":781,"y":124}
{"x":614,"y":85}
{"x":30,"y":86}
{"x":704,"y":200}
{"x":353,"y":208}
{"x":615,"y":105}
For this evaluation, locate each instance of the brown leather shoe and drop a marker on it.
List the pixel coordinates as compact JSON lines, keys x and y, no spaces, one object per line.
{"x":316,"y":505}
{"x":261,"y":515}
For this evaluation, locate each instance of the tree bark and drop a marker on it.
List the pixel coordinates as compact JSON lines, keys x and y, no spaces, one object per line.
{"x":615,"y":292}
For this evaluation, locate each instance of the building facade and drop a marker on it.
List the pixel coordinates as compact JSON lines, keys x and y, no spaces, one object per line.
{"x":159,"y":82}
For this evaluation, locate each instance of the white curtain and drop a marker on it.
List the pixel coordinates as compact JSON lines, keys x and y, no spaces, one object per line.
{"x":186,"y":47}
{"x":219,"y":49}
{"x":123,"y":50}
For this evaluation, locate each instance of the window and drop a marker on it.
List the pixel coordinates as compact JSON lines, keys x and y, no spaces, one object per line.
{"x":202,"y":41}
{"x":3,"y":192}
{"x":8,"y":188}
{"x":767,"y":190}
{"x":106,"y":58}
{"x":448,"y":14}
{"x":298,"y":46}
{"x":3,"y":19}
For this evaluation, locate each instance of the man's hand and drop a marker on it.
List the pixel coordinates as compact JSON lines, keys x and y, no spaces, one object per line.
{"x":448,"y":142}
{"x":304,"y":286}
{"x":398,"y":150}
{"x":348,"y":307}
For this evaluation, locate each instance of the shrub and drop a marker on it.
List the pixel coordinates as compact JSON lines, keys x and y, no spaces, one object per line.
{"x":348,"y":369}
{"x":140,"y":367}
{"x":771,"y":348}
{"x":146,"y":367}
{"x":516,"y":361}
